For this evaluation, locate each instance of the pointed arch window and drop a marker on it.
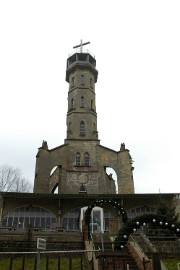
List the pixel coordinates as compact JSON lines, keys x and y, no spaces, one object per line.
{"x":91,"y":104}
{"x":90,"y":81}
{"x":69,"y":126}
{"x":69,"y":131}
{"x":82,"y":102}
{"x":78,"y":159}
{"x":72,"y":82}
{"x":86,"y":159}
{"x":82,"y":128}
{"x":82,"y":80}
{"x":72,"y":103}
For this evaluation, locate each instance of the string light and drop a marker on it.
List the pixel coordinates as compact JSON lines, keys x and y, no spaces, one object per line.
{"x":144,"y":220}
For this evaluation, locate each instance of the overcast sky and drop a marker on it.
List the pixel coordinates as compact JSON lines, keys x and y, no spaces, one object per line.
{"x":137,"y":49}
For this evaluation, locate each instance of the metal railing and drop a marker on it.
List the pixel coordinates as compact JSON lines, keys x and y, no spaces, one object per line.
{"x":78,"y":50}
{"x":49,"y":260}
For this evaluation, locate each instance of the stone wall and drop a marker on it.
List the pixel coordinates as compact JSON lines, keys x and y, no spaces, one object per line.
{"x":94,"y":177}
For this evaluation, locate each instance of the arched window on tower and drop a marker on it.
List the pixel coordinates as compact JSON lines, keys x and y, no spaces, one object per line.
{"x":86,"y":159}
{"x":91,"y":82}
{"x":82,"y":128}
{"x":82,"y":80}
{"x":69,"y":131}
{"x":72,"y":82}
{"x":82,"y":102}
{"x":78,"y":159}
{"x":91,"y":104}
{"x":72,"y":103}
{"x":69,"y":126}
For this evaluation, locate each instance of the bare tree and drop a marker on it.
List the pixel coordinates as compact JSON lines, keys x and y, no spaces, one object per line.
{"x":11,"y":180}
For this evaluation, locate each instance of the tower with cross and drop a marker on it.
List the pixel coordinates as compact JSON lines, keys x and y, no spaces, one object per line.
{"x":82,"y":160}
{"x":81,"y":74}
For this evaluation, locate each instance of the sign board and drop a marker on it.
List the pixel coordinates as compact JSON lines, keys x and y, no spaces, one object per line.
{"x":41,"y":243}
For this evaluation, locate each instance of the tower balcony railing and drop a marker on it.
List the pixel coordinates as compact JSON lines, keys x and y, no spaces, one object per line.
{"x":83,"y":50}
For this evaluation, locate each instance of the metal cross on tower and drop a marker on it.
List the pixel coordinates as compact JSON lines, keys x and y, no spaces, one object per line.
{"x":80,"y":45}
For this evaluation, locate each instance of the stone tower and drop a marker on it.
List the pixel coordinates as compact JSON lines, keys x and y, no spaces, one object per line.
{"x":79,"y":165}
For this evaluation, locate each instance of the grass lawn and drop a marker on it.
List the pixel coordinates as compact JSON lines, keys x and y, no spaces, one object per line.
{"x":171,"y":264}
{"x":52,"y":263}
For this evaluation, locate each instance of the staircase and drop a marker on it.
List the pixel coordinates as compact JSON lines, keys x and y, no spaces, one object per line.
{"x":108,"y":258}
{"x":163,"y":242}
{"x":116,"y":260}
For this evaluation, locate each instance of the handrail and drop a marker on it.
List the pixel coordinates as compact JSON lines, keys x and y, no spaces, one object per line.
{"x":50,"y":251}
{"x":135,"y":242}
{"x":163,"y":266}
